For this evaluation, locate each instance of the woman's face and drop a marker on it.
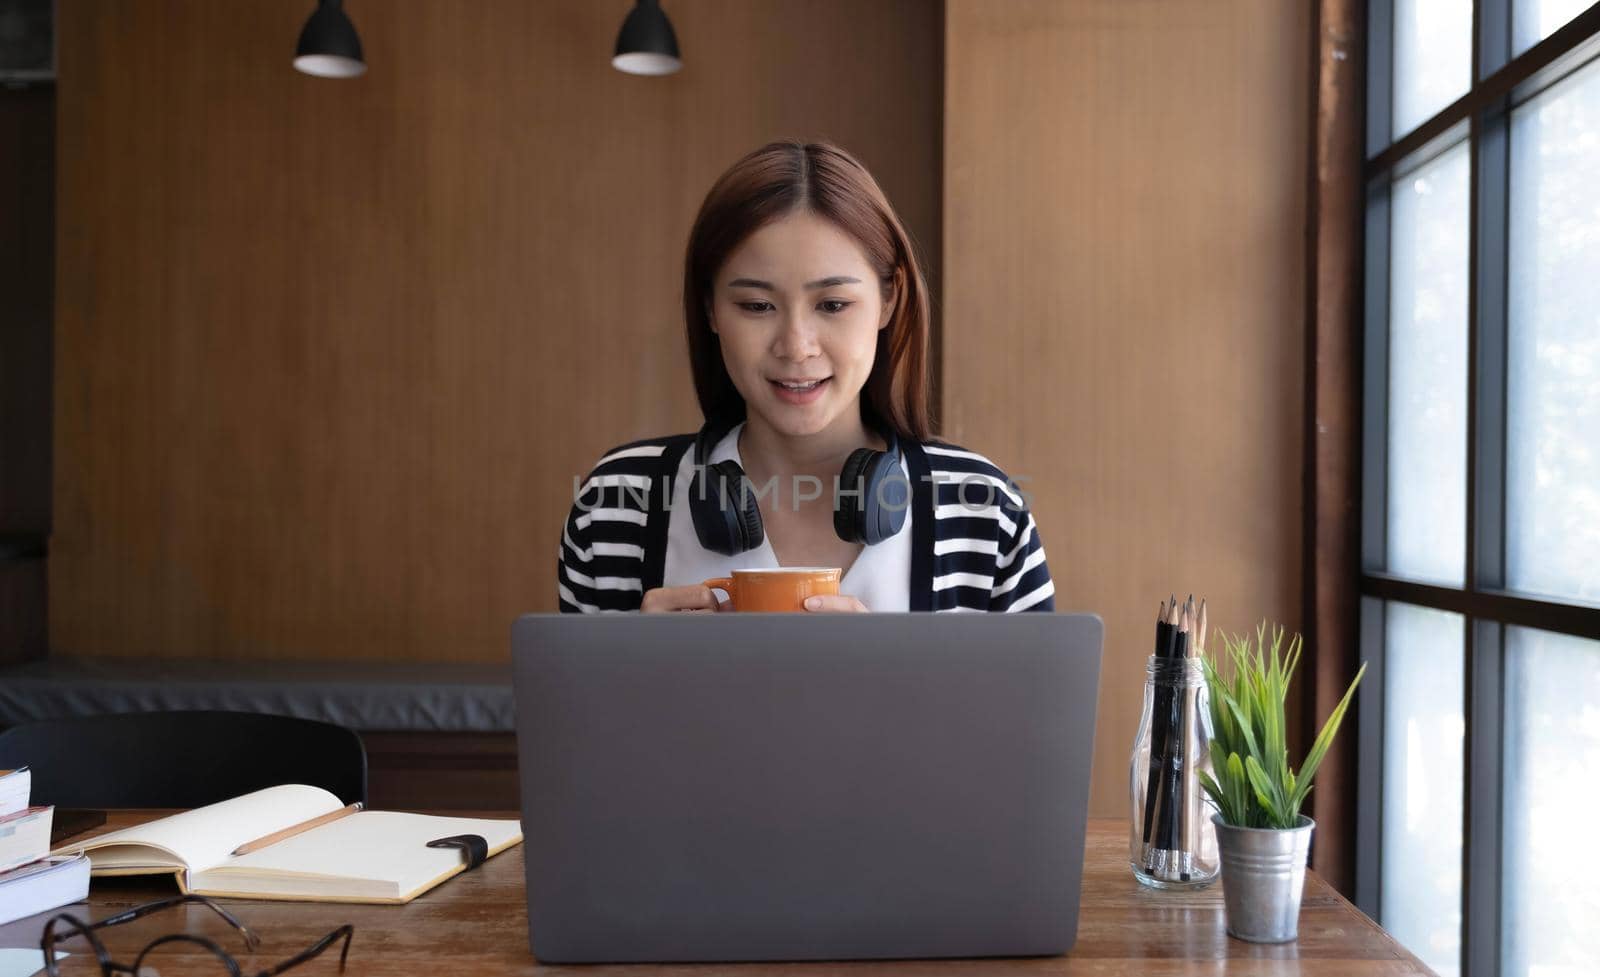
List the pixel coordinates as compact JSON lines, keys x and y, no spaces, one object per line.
{"x":797,"y":309}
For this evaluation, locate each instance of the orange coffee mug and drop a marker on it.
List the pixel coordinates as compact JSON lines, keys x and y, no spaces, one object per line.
{"x":776,"y":588}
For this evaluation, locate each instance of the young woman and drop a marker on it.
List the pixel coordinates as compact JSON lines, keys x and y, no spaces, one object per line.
{"x":807,"y":320}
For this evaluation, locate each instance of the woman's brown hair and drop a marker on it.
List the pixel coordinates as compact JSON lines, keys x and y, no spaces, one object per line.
{"x":779,"y":179}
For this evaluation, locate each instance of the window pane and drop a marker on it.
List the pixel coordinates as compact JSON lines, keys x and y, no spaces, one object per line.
{"x":1553,"y":370}
{"x":1432,"y":58}
{"x":1534,"y":20}
{"x":1552,"y":789}
{"x":1423,"y":736}
{"x":1427,"y":536}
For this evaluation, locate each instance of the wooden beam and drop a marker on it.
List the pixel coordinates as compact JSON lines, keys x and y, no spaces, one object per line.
{"x":1333,"y":419}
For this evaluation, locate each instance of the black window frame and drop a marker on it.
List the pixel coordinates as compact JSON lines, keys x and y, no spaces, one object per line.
{"x":1481,"y":117}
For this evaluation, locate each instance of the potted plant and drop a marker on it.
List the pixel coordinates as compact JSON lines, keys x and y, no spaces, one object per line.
{"x":1262,"y":838}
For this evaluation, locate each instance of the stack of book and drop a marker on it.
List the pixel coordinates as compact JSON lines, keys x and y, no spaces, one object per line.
{"x":31,"y":880}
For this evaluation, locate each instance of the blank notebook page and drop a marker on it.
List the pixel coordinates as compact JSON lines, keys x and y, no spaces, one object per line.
{"x":207,"y":835}
{"x":382,"y":846}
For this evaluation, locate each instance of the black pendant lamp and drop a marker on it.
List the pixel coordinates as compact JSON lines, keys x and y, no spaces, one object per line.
{"x":329,"y":47}
{"x":646,"y":45}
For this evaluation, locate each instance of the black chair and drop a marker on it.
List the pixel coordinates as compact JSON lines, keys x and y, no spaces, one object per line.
{"x":181,"y":759}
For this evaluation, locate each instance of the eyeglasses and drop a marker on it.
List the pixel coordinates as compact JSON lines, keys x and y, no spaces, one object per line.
{"x":66,"y":926}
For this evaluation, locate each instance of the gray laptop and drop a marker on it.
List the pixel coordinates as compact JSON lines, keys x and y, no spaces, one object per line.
{"x":721,"y":787}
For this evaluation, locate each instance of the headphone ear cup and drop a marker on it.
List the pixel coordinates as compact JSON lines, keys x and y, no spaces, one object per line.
{"x":888,"y":498}
{"x":847,"y":520}
{"x":880,"y":510}
{"x":731,"y":528}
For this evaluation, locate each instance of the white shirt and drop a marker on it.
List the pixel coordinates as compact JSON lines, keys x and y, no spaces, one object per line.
{"x":880,"y":577}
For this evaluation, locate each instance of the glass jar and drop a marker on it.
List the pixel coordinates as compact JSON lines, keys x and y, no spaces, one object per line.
{"x":1171,"y":841}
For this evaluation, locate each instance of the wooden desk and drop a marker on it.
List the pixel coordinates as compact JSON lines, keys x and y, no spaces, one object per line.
{"x":477,"y":924}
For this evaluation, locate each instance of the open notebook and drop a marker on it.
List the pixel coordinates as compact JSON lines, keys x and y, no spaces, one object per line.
{"x":369,"y":856}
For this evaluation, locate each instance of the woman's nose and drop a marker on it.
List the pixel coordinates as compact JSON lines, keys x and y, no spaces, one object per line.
{"x":796,"y":339}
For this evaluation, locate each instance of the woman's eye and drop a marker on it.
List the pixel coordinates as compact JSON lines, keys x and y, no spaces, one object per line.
{"x":830,"y":306}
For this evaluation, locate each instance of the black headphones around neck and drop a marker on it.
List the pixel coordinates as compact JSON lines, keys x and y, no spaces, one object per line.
{"x":728,"y":520}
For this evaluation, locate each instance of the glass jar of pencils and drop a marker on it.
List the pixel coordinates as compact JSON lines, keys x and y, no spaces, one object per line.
{"x":1171,"y":842}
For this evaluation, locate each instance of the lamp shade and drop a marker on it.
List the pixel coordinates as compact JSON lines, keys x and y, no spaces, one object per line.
{"x":646,"y":44}
{"x":329,"y":47}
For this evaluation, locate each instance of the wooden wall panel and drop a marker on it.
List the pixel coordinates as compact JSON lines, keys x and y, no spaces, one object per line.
{"x":27,"y":241}
{"x":330,"y":353}
{"x":27,"y":246}
{"x":1124,"y":303}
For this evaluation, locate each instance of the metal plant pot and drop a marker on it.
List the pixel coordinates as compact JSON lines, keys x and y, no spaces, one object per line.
{"x":1263,"y":873}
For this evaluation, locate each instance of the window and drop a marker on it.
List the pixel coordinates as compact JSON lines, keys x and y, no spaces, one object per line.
{"x":1552,"y":758}
{"x":1553,"y":320}
{"x":1432,"y":59}
{"x":1427,"y":530}
{"x":1480,"y":720}
{"x":1422,"y":766}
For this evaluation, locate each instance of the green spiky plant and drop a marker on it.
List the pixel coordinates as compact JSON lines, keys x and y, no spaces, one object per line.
{"x":1252,"y":783}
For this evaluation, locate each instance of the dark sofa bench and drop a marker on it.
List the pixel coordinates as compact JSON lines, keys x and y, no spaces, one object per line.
{"x":437,"y":735}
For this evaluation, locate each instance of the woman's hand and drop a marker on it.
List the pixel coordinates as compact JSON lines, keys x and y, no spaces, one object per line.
{"x":691,"y":597}
{"x":835,"y":604}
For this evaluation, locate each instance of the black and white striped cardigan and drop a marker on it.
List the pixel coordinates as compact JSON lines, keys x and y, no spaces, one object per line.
{"x":974,"y":547}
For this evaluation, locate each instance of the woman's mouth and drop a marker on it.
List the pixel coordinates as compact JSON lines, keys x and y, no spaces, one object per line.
{"x":799,"y":391}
